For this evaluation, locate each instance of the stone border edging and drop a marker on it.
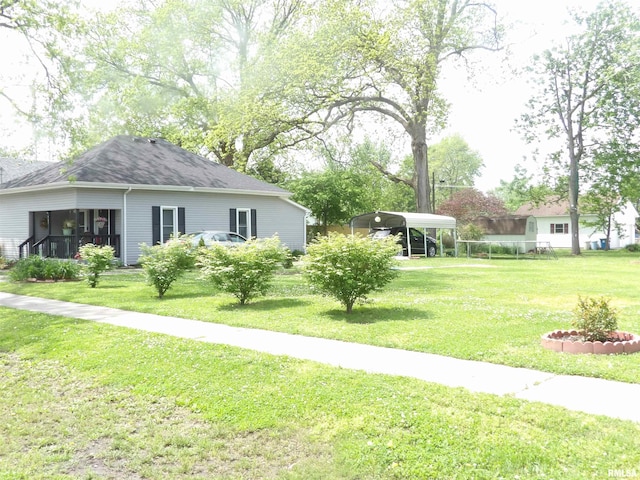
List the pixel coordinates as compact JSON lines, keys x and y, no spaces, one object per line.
{"x":628,"y":343}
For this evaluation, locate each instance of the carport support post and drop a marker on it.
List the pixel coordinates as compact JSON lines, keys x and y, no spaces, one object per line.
{"x":455,"y":241}
{"x":408,"y":243}
{"x":424,"y":237}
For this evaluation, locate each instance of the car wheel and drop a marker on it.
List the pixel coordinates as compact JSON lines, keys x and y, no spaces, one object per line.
{"x":431,"y":250}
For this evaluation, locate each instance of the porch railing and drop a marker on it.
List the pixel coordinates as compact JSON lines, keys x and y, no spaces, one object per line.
{"x":66,"y":246}
{"x":26,"y":247}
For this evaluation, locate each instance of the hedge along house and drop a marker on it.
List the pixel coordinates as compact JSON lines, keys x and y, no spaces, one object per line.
{"x":518,"y":231}
{"x":408,"y":220}
{"x":127,"y":191}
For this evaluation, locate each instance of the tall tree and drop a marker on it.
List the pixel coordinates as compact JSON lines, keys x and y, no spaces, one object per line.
{"x":399,"y":53}
{"x":452,"y":164}
{"x":333,"y":195}
{"x":215,"y":77}
{"x":521,"y":189}
{"x":40,"y":30}
{"x":616,"y":174}
{"x":588,"y":95}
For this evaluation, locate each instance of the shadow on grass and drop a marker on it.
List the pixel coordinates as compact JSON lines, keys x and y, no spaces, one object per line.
{"x":266,"y":304}
{"x":371,"y":314}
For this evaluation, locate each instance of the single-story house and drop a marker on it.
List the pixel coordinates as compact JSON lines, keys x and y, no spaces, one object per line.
{"x":554,"y":225}
{"x":512,"y":230}
{"x":129,"y":190}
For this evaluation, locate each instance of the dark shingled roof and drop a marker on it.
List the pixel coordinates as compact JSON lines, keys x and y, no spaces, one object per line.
{"x":130,"y":160}
{"x":505,"y":225}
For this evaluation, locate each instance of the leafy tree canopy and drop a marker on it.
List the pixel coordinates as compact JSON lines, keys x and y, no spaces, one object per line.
{"x":521,"y":190}
{"x":468,"y":203}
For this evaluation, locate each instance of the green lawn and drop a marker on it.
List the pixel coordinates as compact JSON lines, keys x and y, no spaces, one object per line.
{"x":94,"y":401}
{"x":489,"y":310}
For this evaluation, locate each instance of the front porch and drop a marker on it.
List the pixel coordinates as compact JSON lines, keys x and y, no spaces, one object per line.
{"x":60,"y":233}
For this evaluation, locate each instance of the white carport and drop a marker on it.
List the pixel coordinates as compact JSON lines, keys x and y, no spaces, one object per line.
{"x":408,"y":220}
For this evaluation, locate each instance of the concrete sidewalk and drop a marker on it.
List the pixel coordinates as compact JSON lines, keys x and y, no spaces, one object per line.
{"x":590,"y":395}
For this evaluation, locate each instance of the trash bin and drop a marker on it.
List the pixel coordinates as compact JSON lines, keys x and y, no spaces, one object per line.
{"x":594,"y":245}
{"x":587,"y":245}
{"x":603,"y":243}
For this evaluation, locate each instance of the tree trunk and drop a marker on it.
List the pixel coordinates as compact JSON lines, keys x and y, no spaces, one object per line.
{"x":573,"y":202}
{"x":421,"y":169}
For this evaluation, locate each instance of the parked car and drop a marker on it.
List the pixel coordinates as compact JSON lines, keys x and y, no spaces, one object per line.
{"x":416,"y":236}
{"x":209,"y":237}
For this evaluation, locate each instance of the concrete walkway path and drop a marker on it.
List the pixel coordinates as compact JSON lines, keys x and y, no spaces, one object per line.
{"x":590,"y":395}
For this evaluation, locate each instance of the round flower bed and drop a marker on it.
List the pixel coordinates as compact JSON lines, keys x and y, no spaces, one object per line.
{"x":570,"y":341}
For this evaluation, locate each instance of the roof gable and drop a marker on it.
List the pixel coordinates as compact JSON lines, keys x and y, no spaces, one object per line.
{"x":130,"y":160}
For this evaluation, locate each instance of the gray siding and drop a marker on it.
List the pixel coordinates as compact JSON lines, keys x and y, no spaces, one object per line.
{"x":210,"y":211}
{"x":203,"y":211}
{"x":14,"y":215}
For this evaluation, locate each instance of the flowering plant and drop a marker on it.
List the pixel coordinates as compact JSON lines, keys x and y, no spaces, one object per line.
{"x":101,"y":219}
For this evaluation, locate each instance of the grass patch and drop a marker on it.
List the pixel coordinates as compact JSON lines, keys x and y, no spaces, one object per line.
{"x":86,"y":400}
{"x":488,"y":310}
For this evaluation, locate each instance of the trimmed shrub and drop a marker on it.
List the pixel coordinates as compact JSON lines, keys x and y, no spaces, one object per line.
{"x":164,"y":264}
{"x":98,"y":259}
{"x":245,"y":270}
{"x":38,"y":268}
{"x":348,"y":267}
{"x":595,"y":319}
{"x":633,"y":247}
{"x":471,"y":231}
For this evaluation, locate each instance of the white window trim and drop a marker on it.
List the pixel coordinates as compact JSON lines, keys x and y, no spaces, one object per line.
{"x":175,"y":220}
{"x":248,"y":212}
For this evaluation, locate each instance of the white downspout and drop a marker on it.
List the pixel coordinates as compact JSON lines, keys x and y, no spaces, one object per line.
{"x":123,"y":246}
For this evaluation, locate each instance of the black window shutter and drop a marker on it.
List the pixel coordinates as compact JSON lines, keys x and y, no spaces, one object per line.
{"x":155,"y":224}
{"x":232,"y":220}
{"x":181,"y":220}
{"x":553,"y":228}
{"x":254,"y":222}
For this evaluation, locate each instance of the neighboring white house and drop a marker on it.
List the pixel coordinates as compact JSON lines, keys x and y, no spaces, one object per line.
{"x":554,"y":225}
{"x":129,"y":190}
{"x":511,"y":230}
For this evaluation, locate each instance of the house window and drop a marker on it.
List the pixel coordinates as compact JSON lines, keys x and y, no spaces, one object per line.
{"x":243,"y":221}
{"x":169,"y":222}
{"x":559,"y":228}
{"x":166,"y":221}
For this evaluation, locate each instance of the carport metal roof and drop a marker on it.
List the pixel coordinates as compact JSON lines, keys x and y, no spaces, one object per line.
{"x":402,"y":219}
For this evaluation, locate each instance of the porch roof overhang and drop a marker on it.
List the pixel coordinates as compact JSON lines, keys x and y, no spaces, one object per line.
{"x":402,"y":219}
